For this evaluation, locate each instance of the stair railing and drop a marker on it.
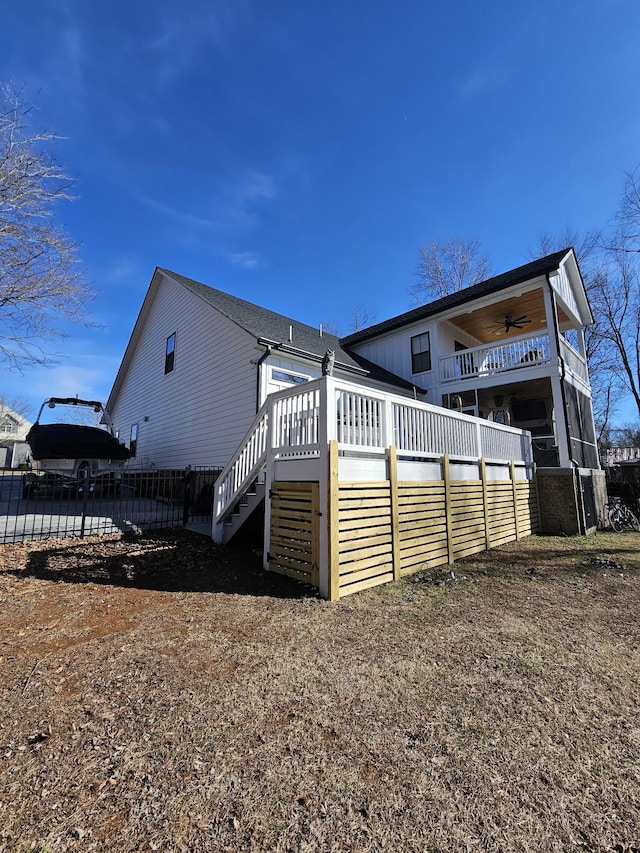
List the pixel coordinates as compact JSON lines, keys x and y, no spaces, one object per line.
{"x":287,"y":425}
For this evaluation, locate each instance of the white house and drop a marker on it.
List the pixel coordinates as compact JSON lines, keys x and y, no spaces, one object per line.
{"x":509,"y":349}
{"x":13,"y":430}
{"x":200,"y":364}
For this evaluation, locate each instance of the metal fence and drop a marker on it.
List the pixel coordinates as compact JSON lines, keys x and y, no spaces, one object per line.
{"x":141,"y":500}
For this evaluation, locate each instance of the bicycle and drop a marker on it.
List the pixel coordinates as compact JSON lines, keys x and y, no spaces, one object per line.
{"x":621,"y":517}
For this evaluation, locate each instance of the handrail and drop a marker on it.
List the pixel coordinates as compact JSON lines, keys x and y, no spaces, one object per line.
{"x":244,"y":465}
{"x":288,"y":422}
{"x":297,"y":423}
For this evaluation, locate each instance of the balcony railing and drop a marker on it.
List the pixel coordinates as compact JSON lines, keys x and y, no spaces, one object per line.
{"x":486,"y":360}
{"x":520,"y":352}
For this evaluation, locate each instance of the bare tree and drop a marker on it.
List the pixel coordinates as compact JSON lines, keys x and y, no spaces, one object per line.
{"x":18,"y":405}
{"x":360,"y":318}
{"x":606,"y":385}
{"x":41,"y":279}
{"x":584,"y":245}
{"x":628,"y":435}
{"x":615,"y":296}
{"x":446,"y":267}
{"x":626,"y":238}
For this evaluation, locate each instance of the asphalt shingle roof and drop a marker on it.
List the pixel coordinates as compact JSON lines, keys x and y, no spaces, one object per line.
{"x":265,"y":324}
{"x":542,"y":266}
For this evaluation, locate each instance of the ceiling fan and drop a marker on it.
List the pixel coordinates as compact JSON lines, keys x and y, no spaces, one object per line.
{"x":511,"y":322}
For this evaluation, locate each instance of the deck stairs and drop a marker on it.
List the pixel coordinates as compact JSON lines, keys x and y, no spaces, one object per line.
{"x":240,"y":488}
{"x":243,"y":508}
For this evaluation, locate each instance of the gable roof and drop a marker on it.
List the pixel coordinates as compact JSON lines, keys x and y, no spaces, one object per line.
{"x":534,"y":269}
{"x":284,"y":333}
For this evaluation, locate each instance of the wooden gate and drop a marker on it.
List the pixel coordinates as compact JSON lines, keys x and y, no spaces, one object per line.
{"x":294,"y":547}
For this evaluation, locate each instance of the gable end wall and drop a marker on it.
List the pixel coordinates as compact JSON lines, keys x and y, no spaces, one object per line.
{"x":198,"y":413}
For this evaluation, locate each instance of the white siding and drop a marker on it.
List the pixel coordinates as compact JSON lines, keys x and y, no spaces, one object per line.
{"x":198,"y":413}
{"x":285,"y":364}
{"x":393,"y":352}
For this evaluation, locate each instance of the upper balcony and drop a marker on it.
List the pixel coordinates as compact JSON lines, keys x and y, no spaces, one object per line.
{"x":494,"y":360}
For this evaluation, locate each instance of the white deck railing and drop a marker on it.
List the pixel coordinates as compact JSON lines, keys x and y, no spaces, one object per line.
{"x":299,"y":423}
{"x":523,"y":351}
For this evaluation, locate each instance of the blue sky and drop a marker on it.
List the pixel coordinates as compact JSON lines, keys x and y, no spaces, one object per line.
{"x":297,"y":154}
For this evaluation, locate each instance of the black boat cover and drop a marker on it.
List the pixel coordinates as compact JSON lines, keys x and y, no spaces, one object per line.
{"x":72,"y":441}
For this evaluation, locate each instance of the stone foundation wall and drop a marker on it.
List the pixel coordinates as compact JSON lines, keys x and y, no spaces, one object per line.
{"x":601,"y":497}
{"x":562,"y":504}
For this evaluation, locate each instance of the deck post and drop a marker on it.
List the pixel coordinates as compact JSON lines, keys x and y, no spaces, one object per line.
{"x":512,"y":469}
{"x":485,"y":502}
{"x":395,"y":510}
{"x":323,"y":483}
{"x":268,"y":479}
{"x":333,"y":592}
{"x":446,"y":476}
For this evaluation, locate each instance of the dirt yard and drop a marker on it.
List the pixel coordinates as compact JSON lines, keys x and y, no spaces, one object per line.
{"x":159,"y":693}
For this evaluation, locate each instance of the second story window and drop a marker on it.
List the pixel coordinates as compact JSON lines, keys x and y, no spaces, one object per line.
{"x":420,"y":353}
{"x":133,"y":441}
{"x":169,"y":356}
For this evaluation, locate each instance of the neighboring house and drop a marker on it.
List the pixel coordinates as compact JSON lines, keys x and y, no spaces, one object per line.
{"x":13,"y":430}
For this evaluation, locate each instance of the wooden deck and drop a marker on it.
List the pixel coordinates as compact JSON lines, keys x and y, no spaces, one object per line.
{"x":363,"y":488}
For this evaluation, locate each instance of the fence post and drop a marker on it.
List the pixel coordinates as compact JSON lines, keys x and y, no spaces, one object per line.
{"x":485,"y":502}
{"x":512,"y":467}
{"x":187,"y":496}
{"x":447,"y":504}
{"x":332,"y":522}
{"x":268,"y":480}
{"x":395,"y":511}
{"x":85,"y":489}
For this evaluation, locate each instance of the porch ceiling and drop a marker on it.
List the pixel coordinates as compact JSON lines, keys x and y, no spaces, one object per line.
{"x":487,"y":324}
{"x":534,"y":389}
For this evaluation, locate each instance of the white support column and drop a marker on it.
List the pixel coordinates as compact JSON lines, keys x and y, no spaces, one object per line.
{"x":552,"y":322}
{"x":326,"y":432}
{"x":268,"y":480}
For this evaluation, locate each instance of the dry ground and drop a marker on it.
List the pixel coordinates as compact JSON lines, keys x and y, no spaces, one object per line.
{"x":161,"y":694}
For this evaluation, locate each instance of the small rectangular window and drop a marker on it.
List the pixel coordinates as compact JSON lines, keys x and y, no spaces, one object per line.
{"x":169,"y":356}
{"x":281,"y":376}
{"x":133,"y":441}
{"x":420,"y":353}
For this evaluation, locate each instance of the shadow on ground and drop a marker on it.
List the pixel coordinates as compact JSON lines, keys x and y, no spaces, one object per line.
{"x":554,"y":555}
{"x":171,"y":561}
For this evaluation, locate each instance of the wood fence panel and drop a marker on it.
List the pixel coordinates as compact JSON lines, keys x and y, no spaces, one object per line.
{"x":467,"y":518}
{"x":502,"y":521}
{"x":294,"y":542}
{"x":390,"y":529}
{"x":365,"y":535}
{"x":527,"y":507}
{"x":422,"y":526}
